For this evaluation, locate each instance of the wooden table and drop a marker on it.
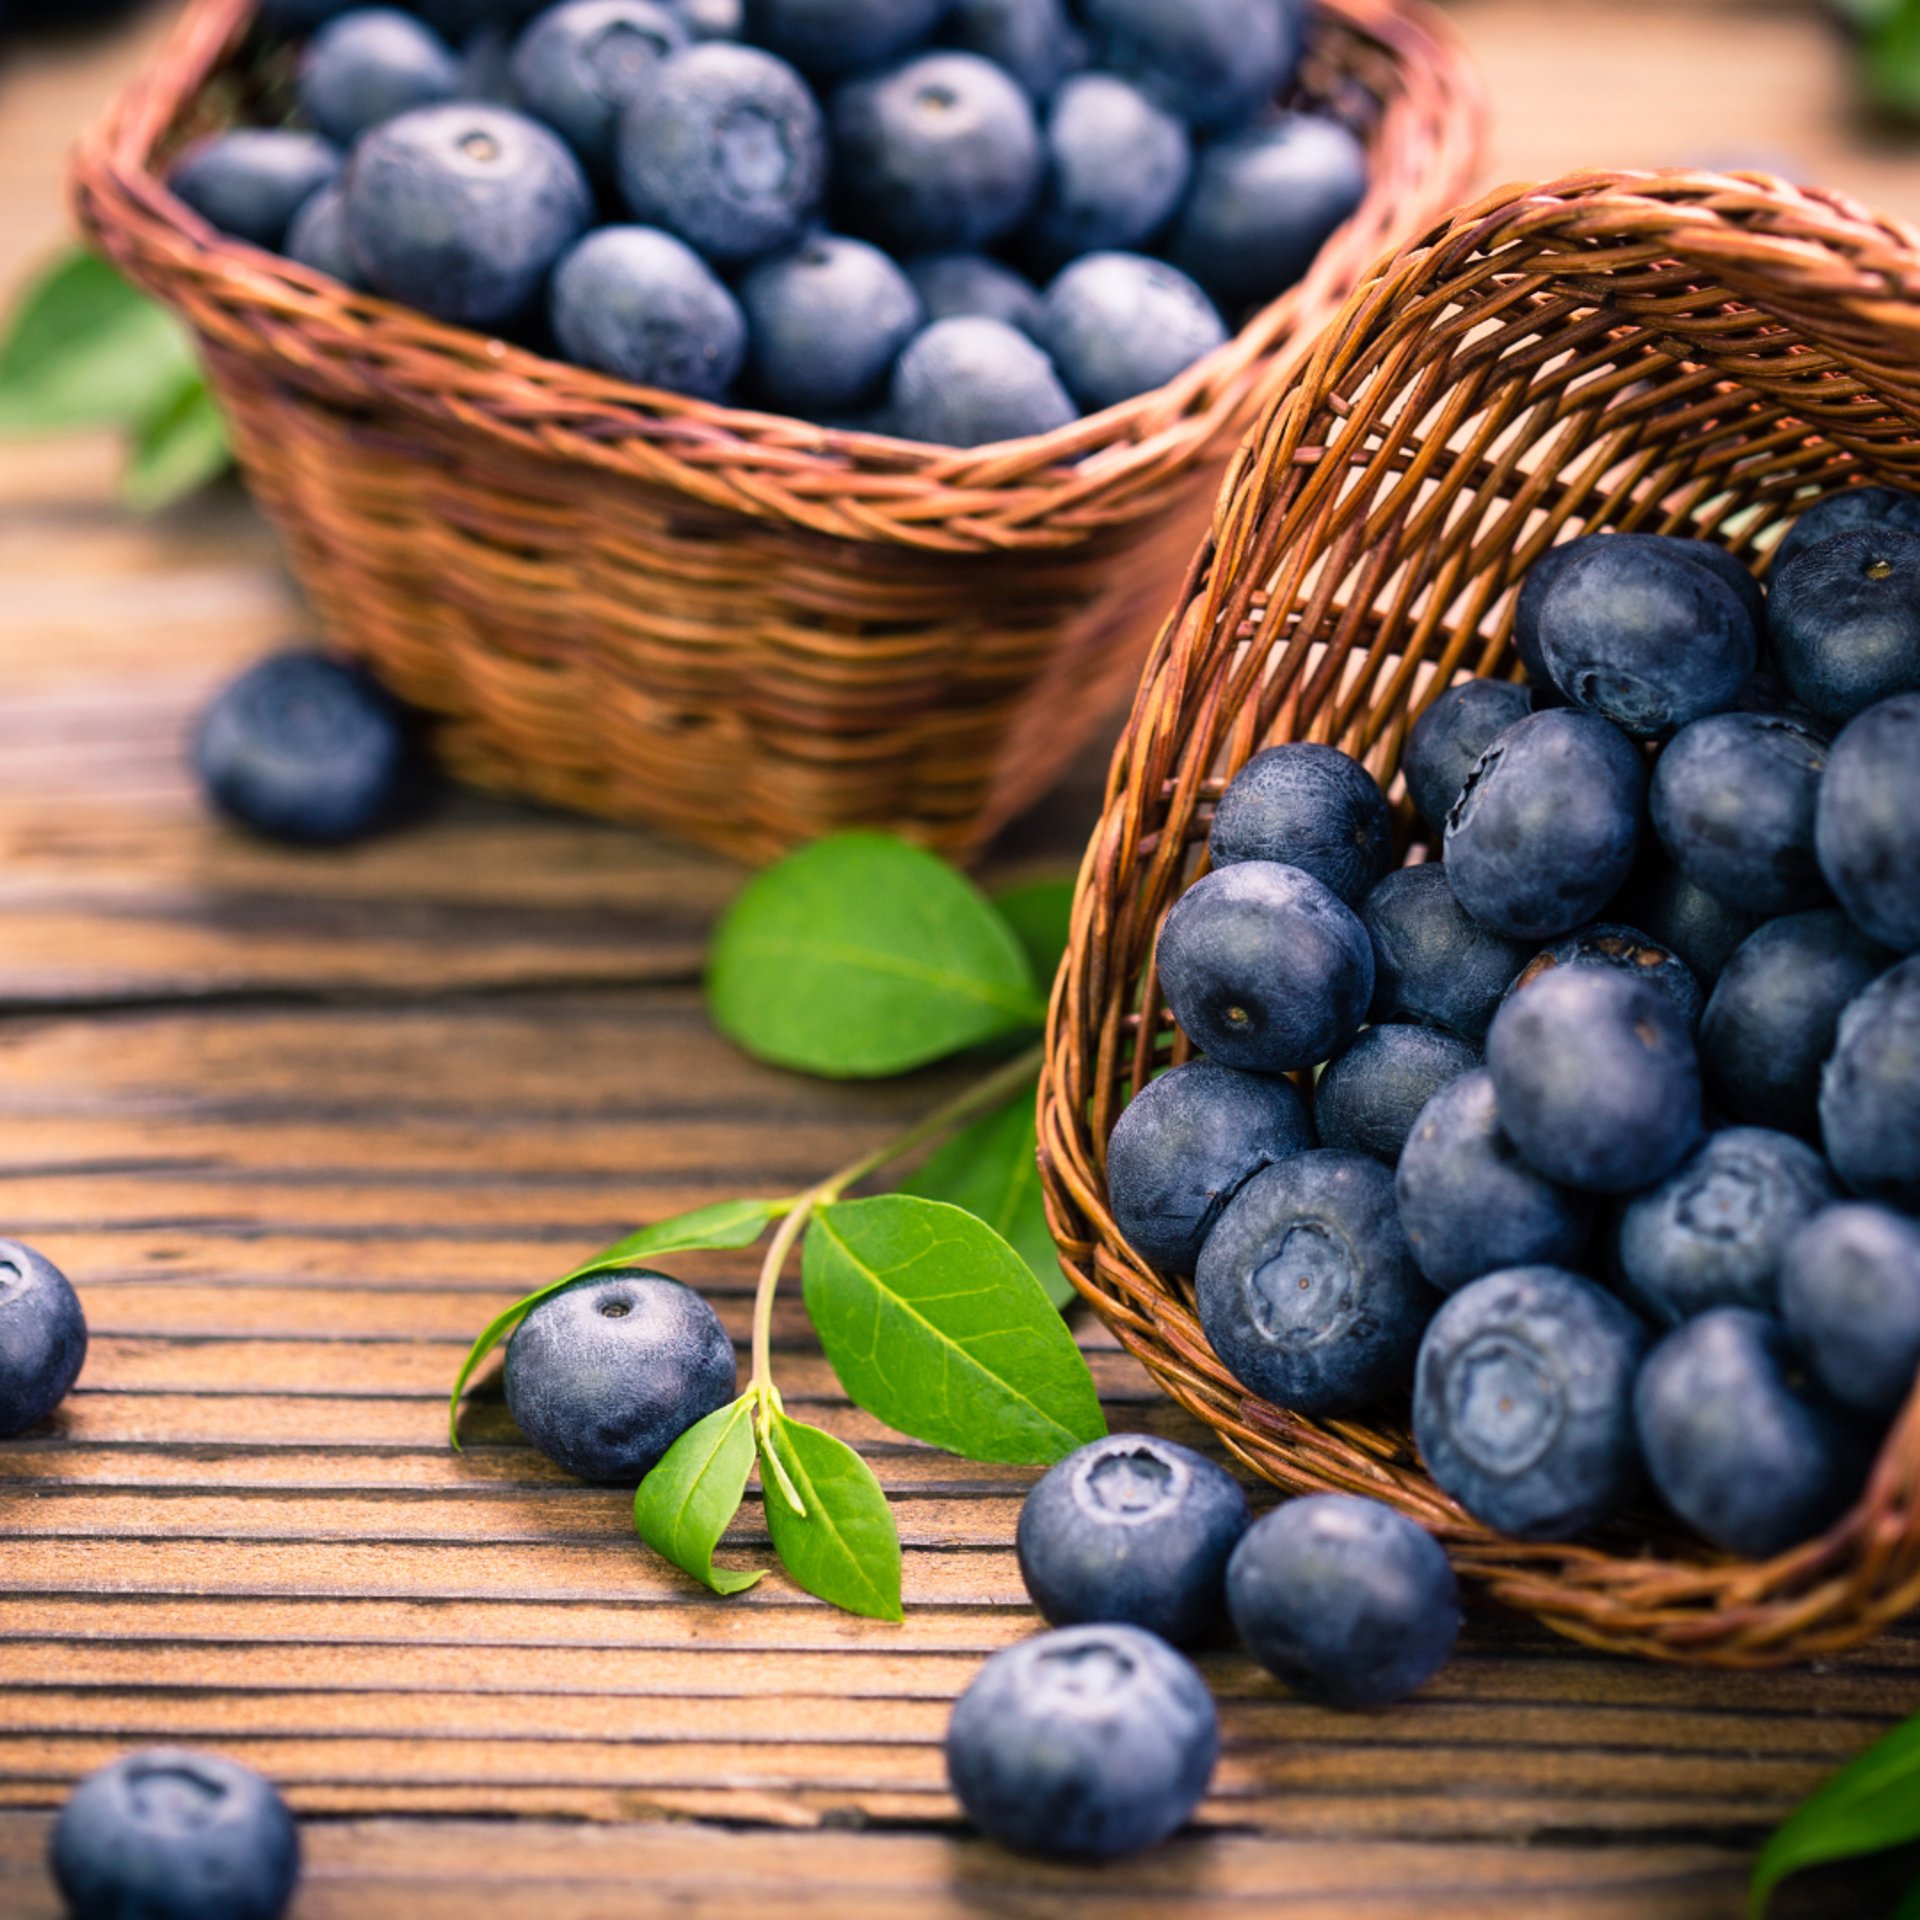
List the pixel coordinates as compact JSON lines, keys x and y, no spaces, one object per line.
{"x":299,"y":1126}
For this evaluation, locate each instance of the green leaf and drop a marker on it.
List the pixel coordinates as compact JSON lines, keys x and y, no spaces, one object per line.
{"x":936,"y":1326}
{"x":178,"y":451}
{"x":1909,"y":1907}
{"x":992,"y":1171}
{"x":843,"y":1547}
{"x":686,"y":1503}
{"x":1866,"y":1807}
{"x":860,"y":956}
{"x":728,"y":1224}
{"x":1041,"y":917}
{"x":1890,"y":60}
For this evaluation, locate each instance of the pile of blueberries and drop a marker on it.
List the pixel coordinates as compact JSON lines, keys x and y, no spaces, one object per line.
{"x":957,"y":221}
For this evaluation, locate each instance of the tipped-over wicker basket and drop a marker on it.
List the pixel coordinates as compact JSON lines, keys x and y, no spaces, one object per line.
{"x":749,"y":630}
{"x":1680,"y":353}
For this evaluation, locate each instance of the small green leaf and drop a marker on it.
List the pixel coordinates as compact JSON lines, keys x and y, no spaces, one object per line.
{"x":936,"y":1326}
{"x":728,"y":1224}
{"x":686,"y":1503}
{"x":182,"y":448}
{"x":1866,"y":1807}
{"x":992,"y":1171}
{"x":844,"y":1547}
{"x":1890,"y":60}
{"x":861,"y":956}
{"x":1909,"y":1907}
{"x":1041,"y":917}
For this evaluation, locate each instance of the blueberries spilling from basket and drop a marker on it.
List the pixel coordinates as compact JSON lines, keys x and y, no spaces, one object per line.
{"x":956,"y":221}
{"x":1618,"y":1116}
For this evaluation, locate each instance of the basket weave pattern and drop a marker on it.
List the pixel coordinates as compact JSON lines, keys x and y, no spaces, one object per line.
{"x":1677,"y":353}
{"x":747,"y":629}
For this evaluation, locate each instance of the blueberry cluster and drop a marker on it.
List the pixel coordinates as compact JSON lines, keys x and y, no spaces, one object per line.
{"x":1613,"y":1154}
{"x":957,"y":221}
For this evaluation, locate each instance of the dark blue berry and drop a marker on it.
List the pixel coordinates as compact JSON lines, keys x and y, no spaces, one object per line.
{"x":953,"y":286}
{"x":1035,"y":40}
{"x":1306,"y":1287}
{"x":970,"y":381}
{"x":638,"y":303}
{"x":580,"y":65}
{"x":826,"y":322}
{"x":1311,"y":807}
{"x":1432,"y":961}
{"x":1870,"y":1091}
{"x":604,"y":1376}
{"x":828,"y":37}
{"x":368,"y":65}
{"x":1867,"y":823}
{"x":1133,"y":1530}
{"x":251,"y":182}
{"x":43,"y":1337}
{"x":1369,"y":1096}
{"x":318,"y":237}
{"x":1666,"y":906}
{"x":1117,"y":166}
{"x":1213,"y":62}
{"x":1344,"y":1599}
{"x":1855,"y":507}
{"x":713,"y":19}
{"x":1450,"y":735}
{"x":1628,"y":951}
{"x":1522,"y":1403}
{"x":1083,"y":1744}
{"x":1119,"y":324}
{"x":1850,"y":1293}
{"x":1844,"y":621}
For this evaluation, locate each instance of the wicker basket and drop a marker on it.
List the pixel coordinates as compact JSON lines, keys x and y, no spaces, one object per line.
{"x":1681,"y":353}
{"x":746,"y":629}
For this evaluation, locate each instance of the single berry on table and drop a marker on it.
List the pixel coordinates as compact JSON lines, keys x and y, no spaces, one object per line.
{"x":43,"y":1337}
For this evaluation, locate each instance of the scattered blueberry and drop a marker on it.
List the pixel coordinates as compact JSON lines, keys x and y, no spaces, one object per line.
{"x":1628,"y":951}
{"x":580,"y":65}
{"x":1212,"y":62}
{"x":1844,"y":620}
{"x":43,"y":1337}
{"x":1311,"y":807}
{"x":1035,"y":40}
{"x":826,"y":323}
{"x":828,"y":37}
{"x":1450,"y":735}
{"x":1843,"y":512}
{"x":1119,"y":324}
{"x":1870,"y":1091}
{"x":1867,"y":824}
{"x":1432,"y":961}
{"x":1666,"y":906}
{"x":365,"y":66}
{"x":634,"y":301}
{"x":953,"y":286}
{"x":1850,"y":1291}
{"x":251,"y":182}
{"x":1116,"y":169}
{"x":1369,"y":1095}
{"x":318,"y":237}
{"x":969,"y":381}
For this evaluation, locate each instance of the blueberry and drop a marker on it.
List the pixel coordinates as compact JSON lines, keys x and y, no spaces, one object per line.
{"x":1264,"y":202}
{"x":580,"y":65}
{"x":461,"y":210}
{"x":1187,"y":1144}
{"x":724,"y":146}
{"x":1844,"y":621}
{"x":307,"y":750}
{"x":953,"y":286}
{"x":1546,"y":827}
{"x":1870,"y":1091}
{"x":713,"y":19}
{"x":1119,"y":324}
{"x":1597,"y":1079}
{"x":1867,"y":823}
{"x":636,"y":302}
{"x":1523,"y":1402}
{"x":365,"y":66}
{"x":942,"y":152}
{"x":1771,"y":1022}
{"x":318,"y":237}
{"x":1733,"y":802}
{"x":1843,"y":512}
{"x":1666,"y":906}
{"x":1344,"y":1599}
{"x":250,"y":183}
{"x":1626,"y":949}
{"x":1432,"y":961}
{"x":1117,"y":166}
{"x":828,"y":37}
{"x":1034,"y":40}
{"x":1850,"y":1293}
{"x":1307,"y":1290}
{"x":966,"y":382}
{"x":486,"y":66}
{"x":1369,"y":1095}
{"x":43,"y":1337}
{"x":1712,"y":1234}
{"x":1736,"y":1445}
{"x":170,"y":1835}
{"x":1265,"y":968}
{"x":827,"y":321}
{"x":604,"y":1376}
{"x":1450,"y":735}
{"x":1083,"y":1744}
{"x":1469,"y":1205}
{"x":1212,"y":62}
{"x":1136,"y":1531}
{"x":1310,"y":807}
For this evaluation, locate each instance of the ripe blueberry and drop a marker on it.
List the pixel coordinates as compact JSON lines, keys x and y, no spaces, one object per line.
{"x":365,"y":66}
{"x":826,"y":323}
{"x":1310,"y":807}
{"x":1844,"y":620}
{"x":1432,"y":961}
{"x":969,"y":381}
{"x":828,"y":37}
{"x":1870,"y":1091}
{"x":1850,"y":1292}
{"x":1666,"y":906}
{"x":1867,"y":824}
{"x":580,"y":65}
{"x":1450,"y":735}
{"x":318,"y":237}
{"x":634,"y":301}
{"x":1369,"y":1095}
{"x":1843,"y":512}
{"x":43,"y":1337}
{"x":251,"y":182}
{"x":1034,"y":40}
{"x":1213,"y":62}
{"x":1628,"y":951}
{"x":953,"y":286}
{"x":1116,"y":168}
{"x":1119,"y":324}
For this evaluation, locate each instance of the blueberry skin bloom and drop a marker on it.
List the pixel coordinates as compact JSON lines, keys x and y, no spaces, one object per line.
{"x":1733,"y":803}
{"x":1212,"y":62}
{"x":1714,"y":1233}
{"x":368,"y":65}
{"x":1844,"y":621}
{"x":1033,"y":39}
{"x":1133,"y":1530}
{"x":307,"y":750}
{"x":1628,"y":951}
{"x":1775,"y":1013}
{"x":1083,"y":1744}
{"x":1523,"y":1402}
{"x":1747,"y":1458}
{"x":1865,"y":830}
{"x":1547,"y":825}
{"x":171,"y":1835}
{"x":1666,"y":906}
{"x":954,"y":285}
{"x":827,"y":321}
{"x":318,"y":238}
{"x":726,"y":147}
{"x":606,"y":1375}
{"x":636,"y":302}
{"x":43,"y":1337}
{"x":1307,"y":1289}
{"x":1870,"y":1091}
{"x":461,"y":210}
{"x":1369,"y":1096}
{"x":1117,"y":166}
{"x":1842,"y":513}
{"x":580,"y":65}
{"x":251,"y":182}
{"x":1265,"y":968}
{"x":1119,"y":324}
{"x":1850,"y":1293}
{"x":941,"y":152}
{"x":1597,"y":1079}
{"x":1432,"y":961}
{"x":1344,"y":1599}
{"x":1310,"y":807}
{"x":972,"y":381}
{"x":1450,"y":735}
{"x":1186,"y":1144}
{"x":827,"y":37}
{"x":1469,"y":1205}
